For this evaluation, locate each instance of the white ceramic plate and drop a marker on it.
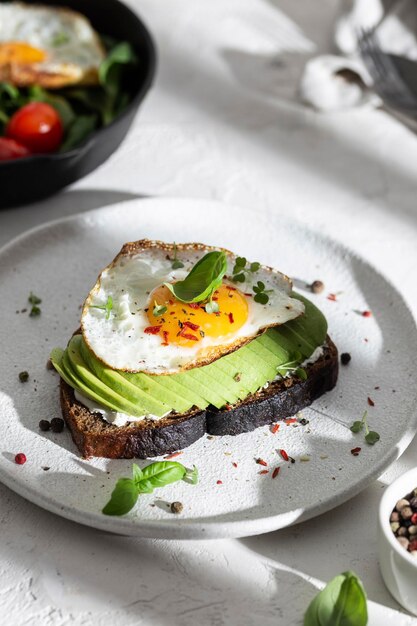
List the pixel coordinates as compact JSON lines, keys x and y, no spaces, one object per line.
{"x":60,"y":262}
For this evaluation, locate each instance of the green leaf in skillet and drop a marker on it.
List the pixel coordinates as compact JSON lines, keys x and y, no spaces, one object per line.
{"x":110,"y":69}
{"x":123,"y":498}
{"x":60,"y":104}
{"x":341,"y":603}
{"x":204,"y":278}
{"x":82,"y":126}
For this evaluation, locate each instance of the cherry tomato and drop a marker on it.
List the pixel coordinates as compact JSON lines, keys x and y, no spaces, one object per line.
{"x":37,"y":126}
{"x":10,"y":149}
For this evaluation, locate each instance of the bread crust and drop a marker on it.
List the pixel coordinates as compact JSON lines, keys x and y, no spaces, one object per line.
{"x":282,"y":398}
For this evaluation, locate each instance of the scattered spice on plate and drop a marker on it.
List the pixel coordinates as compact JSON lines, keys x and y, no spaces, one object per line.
{"x":219,"y":482}
{"x":332,"y":297}
{"x":57,"y":425}
{"x":284,"y":455}
{"x":366,"y":314}
{"x":173,"y":455}
{"x":20,"y":458}
{"x":24,"y":377}
{"x":275,"y":428}
{"x":317,"y":286}
{"x":290,"y":420}
{"x":234,"y":464}
{"x":403,"y":521}
{"x":371,"y":402}
{"x":264,"y":472}
{"x":275,"y":472}
{"x":345,"y":358}
{"x":44,"y":425}
{"x":355,"y":451}
{"x":176,"y":507}
{"x":261,"y":462}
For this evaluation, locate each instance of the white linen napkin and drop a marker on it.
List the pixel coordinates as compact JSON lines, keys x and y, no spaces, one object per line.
{"x":332,"y":82}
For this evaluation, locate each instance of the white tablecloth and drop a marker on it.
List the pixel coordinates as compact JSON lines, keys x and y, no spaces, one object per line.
{"x":222,"y":123}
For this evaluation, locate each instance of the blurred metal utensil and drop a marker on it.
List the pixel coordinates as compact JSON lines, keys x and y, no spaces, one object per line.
{"x":392,"y":75}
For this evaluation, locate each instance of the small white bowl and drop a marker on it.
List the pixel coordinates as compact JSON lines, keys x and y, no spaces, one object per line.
{"x":398,"y":567}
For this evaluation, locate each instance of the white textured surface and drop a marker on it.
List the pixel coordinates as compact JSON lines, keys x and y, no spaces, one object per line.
{"x":216,"y":126}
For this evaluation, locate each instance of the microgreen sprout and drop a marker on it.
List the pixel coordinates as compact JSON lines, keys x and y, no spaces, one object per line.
{"x":261,"y":294}
{"x":159,"y":309}
{"x":104,"y":307}
{"x":176,"y":263}
{"x":240,"y":269}
{"x":371,"y":436}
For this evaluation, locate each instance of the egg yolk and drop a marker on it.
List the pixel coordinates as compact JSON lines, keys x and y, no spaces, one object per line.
{"x":186,"y":324}
{"x":20,"y":52}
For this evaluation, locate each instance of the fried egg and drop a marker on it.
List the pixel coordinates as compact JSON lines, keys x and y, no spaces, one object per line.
{"x":123,"y":325}
{"x":47,"y":46}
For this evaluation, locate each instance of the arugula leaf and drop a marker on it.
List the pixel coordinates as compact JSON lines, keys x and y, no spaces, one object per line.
{"x":153,"y":476}
{"x":203,"y":280}
{"x":110,"y":69}
{"x":82,"y":126}
{"x":123,"y":498}
{"x":341,"y":603}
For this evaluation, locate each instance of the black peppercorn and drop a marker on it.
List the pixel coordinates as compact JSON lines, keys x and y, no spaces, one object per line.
{"x":57,"y":425}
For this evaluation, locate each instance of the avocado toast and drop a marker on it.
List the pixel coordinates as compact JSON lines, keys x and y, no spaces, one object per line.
{"x":242,"y":383}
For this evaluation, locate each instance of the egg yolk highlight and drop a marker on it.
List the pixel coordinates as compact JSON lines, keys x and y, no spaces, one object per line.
{"x":186,"y":324}
{"x":20,"y":52}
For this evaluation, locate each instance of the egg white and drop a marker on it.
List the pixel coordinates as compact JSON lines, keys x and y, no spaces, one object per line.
{"x":120,"y":341}
{"x":73,"y":49}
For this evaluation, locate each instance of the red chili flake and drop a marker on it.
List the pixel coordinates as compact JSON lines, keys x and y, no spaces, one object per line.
{"x":414,"y":518}
{"x":264,"y":472}
{"x":261,"y":462}
{"x":214,"y":298}
{"x":249,"y":295}
{"x":230,"y":288}
{"x":284,"y":455}
{"x":355,"y":451}
{"x":332,"y":297}
{"x":152,"y":330}
{"x":412,"y":545}
{"x":366,"y":314}
{"x":191,"y":325}
{"x":189,"y":337}
{"x":275,"y":428}
{"x":165,"y":341}
{"x":228,"y":407}
{"x":234,"y":464}
{"x":173,"y":455}
{"x":276,"y":472}
{"x":20,"y":458}
{"x":171,"y":302}
{"x":219,"y":482}
{"x":172,"y":313}
{"x":290,"y":420}
{"x":231,"y":318}
{"x":371,"y":402}
{"x":194,"y":305}
{"x":366,"y":340}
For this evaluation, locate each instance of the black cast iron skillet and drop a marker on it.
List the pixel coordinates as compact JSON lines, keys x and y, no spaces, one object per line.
{"x":35,"y":177}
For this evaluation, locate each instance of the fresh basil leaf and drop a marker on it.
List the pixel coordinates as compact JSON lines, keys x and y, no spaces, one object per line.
{"x":341,"y":603}
{"x":191,"y":476}
{"x":82,"y":126}
{"x":203,"y":279}
{"x":137,"y":473}
{"x":159,"y":474}
{"x":123,"y":497}
{"x":372,"y":437}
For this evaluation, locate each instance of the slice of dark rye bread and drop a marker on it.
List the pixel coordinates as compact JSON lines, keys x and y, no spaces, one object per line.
{"x":148,"y":438}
